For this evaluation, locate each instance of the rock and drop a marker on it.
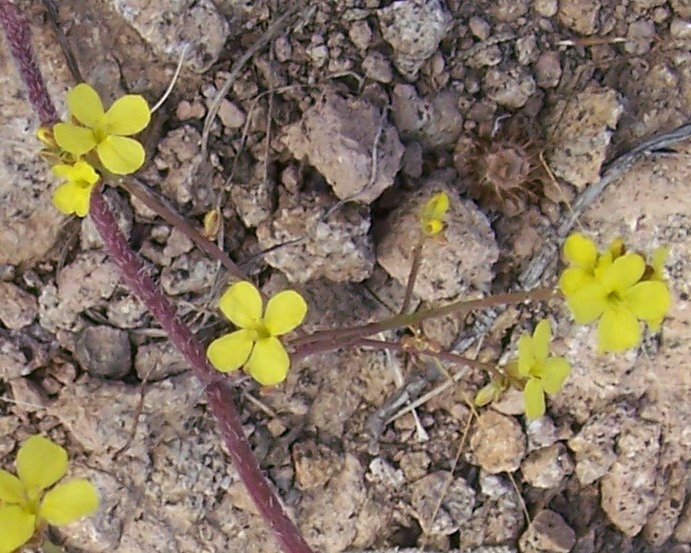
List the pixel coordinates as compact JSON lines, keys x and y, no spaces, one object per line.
{"x":194,"y":272}
{"x":497,"y":443}
{"x":682,"y":532}
{"x":451,"y":499}
{"x":337,"y":136}
{"x":82,"y":284}
{"x":682,"y":8}
{"x":497,"y":516}
{"x":581,"y":134}
{"x":13,"y":362}
{"x":541,"y":432}
{"x":28,"y":219}
{"x":178,"y":158}
{"x":414,"y":29}
{"x":170,"y":27}
{"x":509,"y":86}
{"x":546,"y":468}
{"x":547,"y":534}
{"x":629,"y":488}
{"x":377,"y":67}
{"x":104,"y":352}
{"x":461,"y":263}
{"x":414,"y":464}
{"x":126,"y":311}
{"x":360,"y":34}
{"x":158,"y":360}
{"x":546,"y":8}
{"x":510,"y":11}
{"x":580,"y":15}
{"x":338,"y":248}
{"x":231,"y":115}
{"x":254,"y":200}
{"x":17,"y":308}
{"x":594,"y":443}
{"x":548,"y":69}
{"x":435,"y":122}
{"x":665,"y":516}
{"x":314,"y":464}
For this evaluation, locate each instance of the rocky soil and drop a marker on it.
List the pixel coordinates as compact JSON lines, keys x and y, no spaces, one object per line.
{"x":318,"y":160}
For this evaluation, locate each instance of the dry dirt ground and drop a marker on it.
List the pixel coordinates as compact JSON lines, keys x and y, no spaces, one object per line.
{"x":529,"y":96}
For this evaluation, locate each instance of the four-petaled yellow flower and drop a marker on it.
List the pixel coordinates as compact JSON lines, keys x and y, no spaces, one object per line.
{"x":105,"y":131}
{"x":545,"y":374}
{"x":432,"y":217}
{"x":618,"y":298}
{"x":25,"y":506}
{"x":74,"y":195}
{"x":255,"y":345}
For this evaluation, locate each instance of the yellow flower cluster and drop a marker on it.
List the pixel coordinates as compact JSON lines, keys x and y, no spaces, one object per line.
{"x":255,"y":345}
{"x":94,"y":141}
{"x":26,"y":506}
{"x":536,"y":372}
{"x":615,"y":288}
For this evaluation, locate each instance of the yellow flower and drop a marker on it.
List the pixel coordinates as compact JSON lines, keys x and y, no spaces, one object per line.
{"x":545,"y":374}
{"x":431,"y":219}
{"x":255,"y":345}
{"x":24,"y":505}
{"x":74,"y":195}
{"x":106,"y":131}
{"x":585,"y":262}
{"x":618,"y":299}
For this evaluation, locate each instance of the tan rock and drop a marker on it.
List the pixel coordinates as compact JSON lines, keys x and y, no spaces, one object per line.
{"x":497,"y":443}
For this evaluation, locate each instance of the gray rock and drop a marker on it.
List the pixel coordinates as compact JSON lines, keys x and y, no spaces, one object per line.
{"x":104,"y":352}
{"x":178,"y":157}
{"x":449,"y":500}
{"x":158,"y":360}
{"x":546,"y":468}
{"x":337,"y":136}
{"x":629,"y":491}
{"x":254,"y":200}
{"x":547,"y":534}
{"x":338,"y":248}
{"x":449,"y":268}
{"x":548,"y":69}
{"x":189,"y":273}
{"x":497,"y":443}
{"x":509,"y":86}
{"x":434,"y":122}
{"x":414,"y":29}
{"x":581,"y":16}
{"x":169,"y":27}
{"x":17,"y":307}
{"x":581,"y":134}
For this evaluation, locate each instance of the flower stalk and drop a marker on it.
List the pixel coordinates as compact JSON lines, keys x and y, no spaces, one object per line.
{"x":221,"y":400}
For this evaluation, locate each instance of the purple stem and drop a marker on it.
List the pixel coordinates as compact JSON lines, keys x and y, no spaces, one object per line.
{"x":19,"y":41}
{"x":221,"y":400}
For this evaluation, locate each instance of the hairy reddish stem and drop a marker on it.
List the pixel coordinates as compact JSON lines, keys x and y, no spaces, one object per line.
{"x":19,"y":41}
{"x":221,"y":400}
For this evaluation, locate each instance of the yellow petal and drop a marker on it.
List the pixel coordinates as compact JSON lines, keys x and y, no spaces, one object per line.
{"x":541,"y":338}
{"x":68,"y":502}
{"x":128,"y":115}
{"x":649,"y":300}
{"x":85,"y":105}
{"x":11,"y":489}
{"x":556,"y":369}
{"x":73,"y":139}
{"x":242,"y":304}
{"x":230,"y":352}
{"x":70,"y":198}
{"x":526,"y":355}
{"x":285,"y":311}
{"x":436,"y":207}
{"x":121,"y":155}
{"x":580,"y":251}
{"x":16,"y":528}
{"x":587,"y":303}
{"x":618,"y":330}
{"x":574,"y":278}
{"x":40,"y":463}
{"x":534,"y":399}
{"x":269,"y":362}
{"x":624,"y":272}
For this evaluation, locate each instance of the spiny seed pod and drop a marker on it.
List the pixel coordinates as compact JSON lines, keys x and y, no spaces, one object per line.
{"x":503,"y":172}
